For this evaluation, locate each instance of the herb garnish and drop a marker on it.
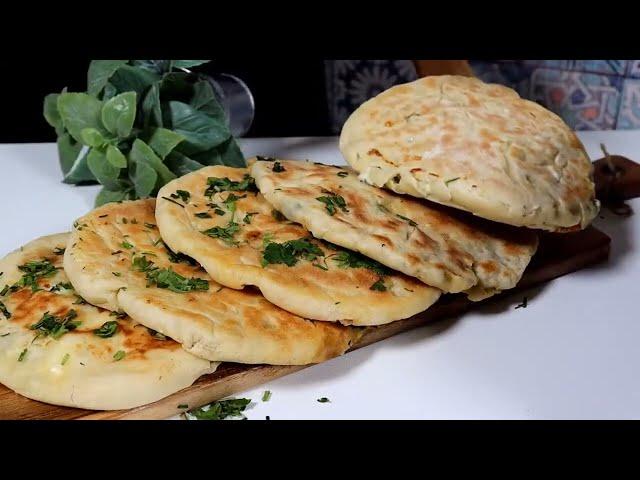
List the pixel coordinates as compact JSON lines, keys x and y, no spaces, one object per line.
{"x":342,"y":174}
{"x":59,"y":251}
{"x":224,"y":233}
{"x":183,"y":405}
{"x":277,"y":167}
{"x":126,"y":245}
{"x":447,"y":182}
{"x":4,"y":291}
{"x":55,"y":326}
{"x":408,"y":220}
{"x":179,"y":257}
{"x":33,"y":271}
{"x":80,"y":301}
{"x":289,"y":252}
{"x":155,"y":334}
{"x":350,"y":259}
{"x":379,"y":286}
{"x":118,"y":314}
{"x":167,"y":278}
{"x":222,"y":409}
{"x":150,"y":225}
{"x":23,"y":355}
{"x":332,"y":201}
{"x":323,"y":400}
{"x":182,"y":195}
{"x":278,"y":216}
{"x":205,"y":214}
{"x":116,"y":274}
{"x":108,"y":329}
{"x":230,"y":201}
{"x":4,"y":311}
{"x":173,"y":201}
{"x":247,"y":217}
{"x":119,"y":355}
{"x":61,"y":286}
{"x":65,"y":359}
{"x":216,"y":184}
{"x":266,"y":396}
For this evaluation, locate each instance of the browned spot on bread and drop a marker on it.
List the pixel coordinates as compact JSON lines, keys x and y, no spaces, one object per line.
{"x":374,"y":151}
{"x":489,"y":266}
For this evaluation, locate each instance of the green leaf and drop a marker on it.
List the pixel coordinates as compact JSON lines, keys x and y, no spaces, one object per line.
{"x":151,"y":109}
{"x":201,"y":132}
{"x":79,"y":171}
{"x":188,"y":63}
{"x":205,"y":100}
{"x":155,"y":66}
{"x":107,"y":196}
{"x":231,"y":155}
{"x":51,"y":114}
{"x":109,"y":92}
{"x":163,"y":141}
{"x":104,"y":172}
{"x":92,"y":137}
{"x":79,"y":111}
{"x":141,"y":153}
{"x":115,"y":157}
{"x":99,"y":73}
{"x":144,"y":180}
{"x":128,"y":78}
{"x":181,"y":164}
{"x":208,"y":157}
{"x":68,"y":150}
{"x":119,"y":113}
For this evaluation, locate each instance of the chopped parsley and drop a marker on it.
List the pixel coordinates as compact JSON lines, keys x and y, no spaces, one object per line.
{"x":321,"y":267}
{"x":173,"y":201}
{"x":182,"y":195}
{"x":447,"y":182}
{"x":379,"y":286}
{"x":59,"y":251}
{"x":61,"y":286}
{"x":205,"y":214}
{"x":332,"y":202}
{"x":4,"y":291}
{"x":183,"y":405}
{"x":408,"y":220}
{"x":323,"y":400}
{"x":179,"y":257}
{"x":80,"y":301}
{"x":119,"y":355}
{"x":117,"y":314}
{"x":34,"y":270}
{"x":150,"y":225}
{"x":221,"y":409}
{"x":342,"y":174}
{"x":277,"y":167}
{"x":116,"y":274}
{"x":224,"y":233}
{"x":125,"y":221}
{"x":350,"y":259}
{"x":230,"y":201}
{"x":126,"y":245}
{"x":65,"y":359}
{"x":167,"y":278}
{"x":216,"y":184}
{"x":4,"y":311}
{"x":157,"y":335}
{"x":23,"y":355}
{"x":266,"y":396}
{"x":289,"y":252}
{"x":108,"y":329}
{"x":218,"y":211}
{"x":54,"y":325}
{"x":247,"y":217}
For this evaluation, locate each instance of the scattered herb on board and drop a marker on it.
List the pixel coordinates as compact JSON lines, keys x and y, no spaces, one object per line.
{"x":182,"y":195}
{"x":266,"y":396}
{"x":58,"y":251}
{"x":139,"y":125}
{"x":119,"y":355}
{"x":55,"y":326}
{"x":126,"y":245}
{"x":277,"y":167}
{"x":523,"y":304}
{"x":323,"y":400}
{"x":247,"y":217}
{"x":289,"y":252}
{"x":4,"y":311}
{"x":447,"y":182}
{"x":216,"y":184}
{"x":408,"y":220}
{"x":204,"y":215}
{"x":23,"y":355}
{"x":221,"y":409}
{"x":350,"y":259}
{"x":379,"y":286}
{"x":107,"y":330}
{"x":332,"y":202}
{"x":34,"y":270}
{"x":224,"y":233}
{"x":65,"y":359}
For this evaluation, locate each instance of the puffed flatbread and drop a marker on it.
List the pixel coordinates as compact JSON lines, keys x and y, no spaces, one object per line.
{"x":419,"y":239}
{"x":115,"y":258}
{"x":474,"y":146}
{"x":50,"y":351}
{"x":249,"y":243}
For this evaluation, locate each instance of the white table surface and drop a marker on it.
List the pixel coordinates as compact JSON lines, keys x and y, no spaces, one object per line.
{"x":574,"y":353}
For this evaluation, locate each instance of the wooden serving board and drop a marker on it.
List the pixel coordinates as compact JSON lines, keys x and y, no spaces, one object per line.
{"x":557,"y":255}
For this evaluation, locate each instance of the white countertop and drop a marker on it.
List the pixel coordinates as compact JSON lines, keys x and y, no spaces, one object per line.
{"x":574,"y":353}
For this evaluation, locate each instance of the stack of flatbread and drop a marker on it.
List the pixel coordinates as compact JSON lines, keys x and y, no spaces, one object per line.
{"x":282,"y":262}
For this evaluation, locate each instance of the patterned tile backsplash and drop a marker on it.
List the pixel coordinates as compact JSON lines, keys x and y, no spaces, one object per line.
{"x":587,"y":94}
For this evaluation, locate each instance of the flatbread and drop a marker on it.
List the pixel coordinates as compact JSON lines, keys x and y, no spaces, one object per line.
{"x":321,"y":288}
{"x":474,"y":146}
{"x":418,"y":238}
{"x":218,"y":323}
{"x":79,"y":368}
